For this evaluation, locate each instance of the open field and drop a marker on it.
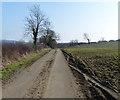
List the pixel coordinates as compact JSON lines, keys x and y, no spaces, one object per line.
{"x":100,"y":60}
{"x":100,"y":44}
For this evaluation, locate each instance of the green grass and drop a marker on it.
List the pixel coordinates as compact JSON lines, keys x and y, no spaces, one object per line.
{"x":101,"y":60}
{"x":93,"y":51}
{"x":100,"y":44}
{"x":9,"y":69}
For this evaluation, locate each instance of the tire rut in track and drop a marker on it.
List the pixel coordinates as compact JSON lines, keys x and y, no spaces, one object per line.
{"x":38,"y":87}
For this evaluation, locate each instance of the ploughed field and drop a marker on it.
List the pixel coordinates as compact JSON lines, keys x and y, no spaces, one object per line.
{"x":100,"y":60}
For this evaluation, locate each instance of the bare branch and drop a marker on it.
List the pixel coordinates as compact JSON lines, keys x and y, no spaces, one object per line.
{"x":86,"y":36}
{"x":35,"y":22}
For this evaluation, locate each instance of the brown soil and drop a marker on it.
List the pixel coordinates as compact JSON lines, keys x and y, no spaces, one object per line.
{"x":89,"y":85}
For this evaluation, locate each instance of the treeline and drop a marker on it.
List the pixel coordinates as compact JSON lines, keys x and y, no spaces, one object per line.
{"x":75,"y":43}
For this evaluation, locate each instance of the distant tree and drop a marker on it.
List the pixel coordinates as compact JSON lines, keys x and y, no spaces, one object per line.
{"x":76,"y":42}
{"x":73,"y":42}
{"x":118,"y":40}
{"x":49,"y":38}
{"x":35,"y":22}
{"x":86,"y":36}
{"x":102,"y":40}
{"x":111,"y":40}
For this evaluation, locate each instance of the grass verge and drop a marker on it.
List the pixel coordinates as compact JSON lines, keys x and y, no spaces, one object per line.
{"x":7,"y":71}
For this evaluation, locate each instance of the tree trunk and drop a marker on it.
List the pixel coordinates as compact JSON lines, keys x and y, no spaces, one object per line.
{"x":88,"y":41}
{"x":35,"y":40}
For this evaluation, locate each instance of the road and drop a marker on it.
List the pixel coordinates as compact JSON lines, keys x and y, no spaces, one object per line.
{"x":59,"y":83}
{"x":61,"y":79}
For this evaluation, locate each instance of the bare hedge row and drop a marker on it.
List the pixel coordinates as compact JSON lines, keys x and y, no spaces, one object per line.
{"x":16,"y":51}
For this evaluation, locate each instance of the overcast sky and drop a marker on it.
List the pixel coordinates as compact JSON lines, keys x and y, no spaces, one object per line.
{"x":69,"y":19}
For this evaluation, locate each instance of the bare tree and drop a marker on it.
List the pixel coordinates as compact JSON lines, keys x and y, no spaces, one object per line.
{"x":73,"y":42}
{"x":35,"y":23}
{"x":86,"y":36}
{"x":102,"y":40}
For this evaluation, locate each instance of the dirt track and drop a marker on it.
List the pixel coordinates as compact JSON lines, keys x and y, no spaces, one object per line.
{"x":45,"y":78}
{"x":25,"y":80}
{"x":51,"y":77}
{"x":61,"y":80}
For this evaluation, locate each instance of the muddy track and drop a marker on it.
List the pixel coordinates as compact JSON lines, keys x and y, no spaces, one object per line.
{"x":97,"y":90}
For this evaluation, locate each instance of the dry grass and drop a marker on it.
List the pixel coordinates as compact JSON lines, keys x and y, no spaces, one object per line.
{"x":14,"y":52}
